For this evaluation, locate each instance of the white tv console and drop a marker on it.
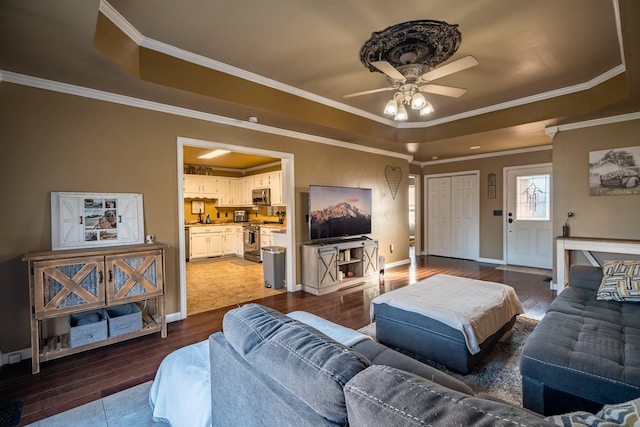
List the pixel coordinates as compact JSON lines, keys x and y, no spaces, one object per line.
{"x":331,"y":266}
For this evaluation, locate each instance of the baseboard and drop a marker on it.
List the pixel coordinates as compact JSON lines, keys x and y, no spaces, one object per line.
{"x":491,"y":261}
{"x":397,"y":263}
{"x":174,"y":317}
{"x":24,"y":354}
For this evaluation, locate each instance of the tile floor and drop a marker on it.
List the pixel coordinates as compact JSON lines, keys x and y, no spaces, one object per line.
{"x":125,"y":409}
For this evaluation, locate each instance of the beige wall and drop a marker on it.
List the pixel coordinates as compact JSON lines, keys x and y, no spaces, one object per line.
{"x":491,"y":226}
{"x":615,"y":217}
{"x":56,"y":142}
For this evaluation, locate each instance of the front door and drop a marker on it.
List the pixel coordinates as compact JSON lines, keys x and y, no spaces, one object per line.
{"x":528,"y":225}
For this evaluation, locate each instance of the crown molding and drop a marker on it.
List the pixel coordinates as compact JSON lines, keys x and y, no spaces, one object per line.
{"x":553,"y":130}
{"x":521,"y":101}
{"x":212,"y":64}
{"x":484,"y":156}
{"x":167,"y":49}
{"x":40,"y":83}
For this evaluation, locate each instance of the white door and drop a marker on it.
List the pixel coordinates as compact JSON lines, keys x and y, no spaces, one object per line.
{"x":463,"y":214}
{"x":439,"y":214}
{"x":452,"y":212}
{"x":528,"y":226}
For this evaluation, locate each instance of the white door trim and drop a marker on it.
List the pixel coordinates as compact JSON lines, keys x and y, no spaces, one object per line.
{"x":505,"y":208}
{"x":288,"y":189}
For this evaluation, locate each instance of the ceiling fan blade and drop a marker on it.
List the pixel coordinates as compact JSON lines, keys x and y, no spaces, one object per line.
{"x":453,"y":67}
{"x":453,"y":92}
{"x":367,"y":92}
{"x":388,"y":69}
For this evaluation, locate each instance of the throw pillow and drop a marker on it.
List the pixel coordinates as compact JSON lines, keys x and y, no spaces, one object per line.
{"x":620,"y":281}
{"x":622,"y":414}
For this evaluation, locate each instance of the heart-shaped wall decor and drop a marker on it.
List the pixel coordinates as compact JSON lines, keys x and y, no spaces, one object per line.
{"x":393,"y":175}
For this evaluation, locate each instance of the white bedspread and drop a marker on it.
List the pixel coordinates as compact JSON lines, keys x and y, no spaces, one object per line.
{"x":181,"y":391}
{"x":477,"y":308}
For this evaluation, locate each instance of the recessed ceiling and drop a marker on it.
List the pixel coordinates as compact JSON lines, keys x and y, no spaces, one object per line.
{"x":237,"y":162}
{"x":538,"y":62}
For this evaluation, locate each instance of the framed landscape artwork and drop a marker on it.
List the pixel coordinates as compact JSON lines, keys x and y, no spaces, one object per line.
{"x":614,"y":171}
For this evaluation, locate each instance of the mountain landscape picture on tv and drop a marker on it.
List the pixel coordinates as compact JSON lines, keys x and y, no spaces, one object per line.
{"x":338,"y":212}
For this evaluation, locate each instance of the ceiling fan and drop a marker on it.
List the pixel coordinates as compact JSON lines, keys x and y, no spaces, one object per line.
{"x":411,"y":74}
{"x":409,"y":54}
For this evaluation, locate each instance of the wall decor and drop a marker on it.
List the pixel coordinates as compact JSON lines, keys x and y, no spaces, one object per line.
{"x":491,"y":186}
{"x":393,"y":175}
{"x":80,"y":220}
{"x":614,"y":171}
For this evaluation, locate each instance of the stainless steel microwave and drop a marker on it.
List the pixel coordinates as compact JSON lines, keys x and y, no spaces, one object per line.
{"x":261,"y":196}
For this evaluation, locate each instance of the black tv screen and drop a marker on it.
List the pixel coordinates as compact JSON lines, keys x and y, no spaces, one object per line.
{"x":338,"y":212}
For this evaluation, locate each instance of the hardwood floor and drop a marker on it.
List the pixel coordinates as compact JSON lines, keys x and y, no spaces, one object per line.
{"x":75,"y":380}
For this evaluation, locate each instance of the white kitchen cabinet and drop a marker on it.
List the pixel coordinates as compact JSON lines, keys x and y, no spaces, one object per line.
{"x":201,"y":186}
{"x":205,"y":241}
{"x":261,"y":180}
{"x":229,"y":243}
{"x":275,"y":184}
{"x":239,"y":239}
{"x":75,"y":219}
{"x":224,"y":195}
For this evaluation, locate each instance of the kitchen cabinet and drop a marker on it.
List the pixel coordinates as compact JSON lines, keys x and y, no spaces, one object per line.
{"x":329,"y":267}
{"x":224,"y":195}
{"x":236,"y":193}
{"x":275,"y":184}
{"x":66,"y":282}
{"x":239,"y":239}
{"x":205,"y":241}
{"x":229,"y":240}
{"x":214,"y":240}
{"x":231,"y":191}
{"x":201,"y":186}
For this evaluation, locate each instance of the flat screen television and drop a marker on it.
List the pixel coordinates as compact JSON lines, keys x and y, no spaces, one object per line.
{"x":338,"y":212}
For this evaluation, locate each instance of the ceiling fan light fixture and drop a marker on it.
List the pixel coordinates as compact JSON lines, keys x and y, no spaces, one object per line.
{"x":427,"y":109}
{"x":402,"y":114}
{"x":391,"y":109}
{"x":418,"y":101}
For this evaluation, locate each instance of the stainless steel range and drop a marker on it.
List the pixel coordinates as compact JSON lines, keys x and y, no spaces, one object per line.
{"x":251,"y":239}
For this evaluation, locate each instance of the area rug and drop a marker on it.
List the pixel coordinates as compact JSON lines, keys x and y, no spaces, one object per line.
{"x":498,"y":373}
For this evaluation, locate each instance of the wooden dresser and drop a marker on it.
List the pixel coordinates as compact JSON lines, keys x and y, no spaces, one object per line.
{"x":66,"y":282}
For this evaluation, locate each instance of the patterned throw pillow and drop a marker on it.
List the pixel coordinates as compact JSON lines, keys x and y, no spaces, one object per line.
{"x":621,"y":414}
{"x":621,"y":281}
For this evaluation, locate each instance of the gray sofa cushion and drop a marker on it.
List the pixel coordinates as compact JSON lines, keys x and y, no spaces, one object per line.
{"x":380,"y":354}
{"x":583,"y":347}
{"x":296,"y":356}
{"x":385,"y":396}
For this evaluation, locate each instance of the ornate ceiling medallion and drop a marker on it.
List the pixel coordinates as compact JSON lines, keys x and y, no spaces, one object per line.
{"x":424,"y":42}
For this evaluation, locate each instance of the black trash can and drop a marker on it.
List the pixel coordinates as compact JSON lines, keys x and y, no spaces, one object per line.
{"x":273,"y":261}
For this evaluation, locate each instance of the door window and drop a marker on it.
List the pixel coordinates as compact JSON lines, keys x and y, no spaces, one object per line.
{"x":533,"y":198}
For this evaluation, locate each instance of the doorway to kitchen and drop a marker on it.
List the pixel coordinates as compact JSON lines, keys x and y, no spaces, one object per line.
{"x":226,"y":278}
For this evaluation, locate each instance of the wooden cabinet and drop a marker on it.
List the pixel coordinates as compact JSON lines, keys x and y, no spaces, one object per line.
{"x":330,"y":267}
{"x":233,"y":192}
{"x":205,"y":241}
{"x":201,"y":186}
{"x":214,"y":240}
{"x":66,"y":282}
{"x":229,"y":242}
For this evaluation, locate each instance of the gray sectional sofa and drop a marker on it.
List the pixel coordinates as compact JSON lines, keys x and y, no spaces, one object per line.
{"x":585,"y":352}
{"x":271,"y":369}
